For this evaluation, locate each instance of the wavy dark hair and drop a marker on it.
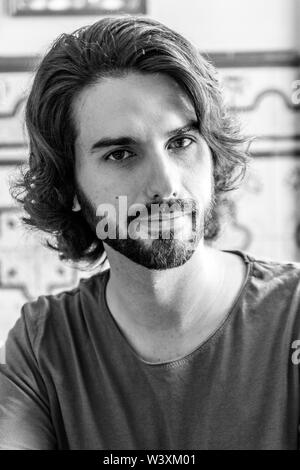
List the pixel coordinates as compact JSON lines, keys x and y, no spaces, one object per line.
{"x":113,"y":46}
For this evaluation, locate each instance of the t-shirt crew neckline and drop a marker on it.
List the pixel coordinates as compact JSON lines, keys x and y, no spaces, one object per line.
{"x":218,"y":330}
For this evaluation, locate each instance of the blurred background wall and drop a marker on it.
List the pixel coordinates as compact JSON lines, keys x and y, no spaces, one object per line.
{"x":253,"y":43}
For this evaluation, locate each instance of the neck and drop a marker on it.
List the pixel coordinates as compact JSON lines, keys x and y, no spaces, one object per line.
{"x":166,"y":300}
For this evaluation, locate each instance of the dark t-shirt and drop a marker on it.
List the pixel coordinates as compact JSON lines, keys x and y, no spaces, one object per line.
{"x":72,"y":381}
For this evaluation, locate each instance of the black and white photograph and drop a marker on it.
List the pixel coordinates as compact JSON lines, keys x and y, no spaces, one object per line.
{"x":149,"y":227}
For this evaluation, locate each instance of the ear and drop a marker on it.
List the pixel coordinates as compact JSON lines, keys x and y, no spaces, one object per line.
{"x":76,"y":206}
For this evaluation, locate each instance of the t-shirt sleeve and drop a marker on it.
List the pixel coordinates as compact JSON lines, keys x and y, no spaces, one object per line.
{"x":25,"y":419}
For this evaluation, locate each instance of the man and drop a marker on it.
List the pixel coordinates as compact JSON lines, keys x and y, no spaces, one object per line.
{"x":177,"y":345}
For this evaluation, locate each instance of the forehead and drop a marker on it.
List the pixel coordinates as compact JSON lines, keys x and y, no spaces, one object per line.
{"x":135,"y":103}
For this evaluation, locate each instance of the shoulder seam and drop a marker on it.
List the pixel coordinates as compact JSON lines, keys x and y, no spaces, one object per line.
{"x":31,"y":341}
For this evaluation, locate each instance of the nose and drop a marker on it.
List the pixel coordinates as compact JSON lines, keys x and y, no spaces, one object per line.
{"x":162,"y":176}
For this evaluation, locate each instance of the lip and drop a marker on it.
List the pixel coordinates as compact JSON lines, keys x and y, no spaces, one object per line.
{"x":155,"y":228}
{"x":163,"y":218}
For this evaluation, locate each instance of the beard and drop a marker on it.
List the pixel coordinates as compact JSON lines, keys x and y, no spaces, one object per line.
{"x":159,"y":253}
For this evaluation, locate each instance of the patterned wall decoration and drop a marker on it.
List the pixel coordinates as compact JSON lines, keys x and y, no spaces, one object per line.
{"x":263,"y":214}
{"x":262,"y":217}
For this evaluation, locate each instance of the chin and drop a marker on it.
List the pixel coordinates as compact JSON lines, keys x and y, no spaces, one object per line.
{"x":157,"y":254}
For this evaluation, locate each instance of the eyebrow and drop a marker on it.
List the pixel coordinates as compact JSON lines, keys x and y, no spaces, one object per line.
{"x":104,"y":142}
{"x":192,"y":125}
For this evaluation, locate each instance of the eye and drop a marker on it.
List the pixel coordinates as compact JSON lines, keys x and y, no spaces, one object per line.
{"x":118,"y":155}
{"x":181,"y":143}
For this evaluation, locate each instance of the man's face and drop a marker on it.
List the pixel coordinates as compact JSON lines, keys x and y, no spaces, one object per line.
{"x":138,"y":141}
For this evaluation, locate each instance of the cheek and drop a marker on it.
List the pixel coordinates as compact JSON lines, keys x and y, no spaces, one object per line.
{"x":104,"y":184}
{"x":199,"y":179}
{"x":95,"y":185}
